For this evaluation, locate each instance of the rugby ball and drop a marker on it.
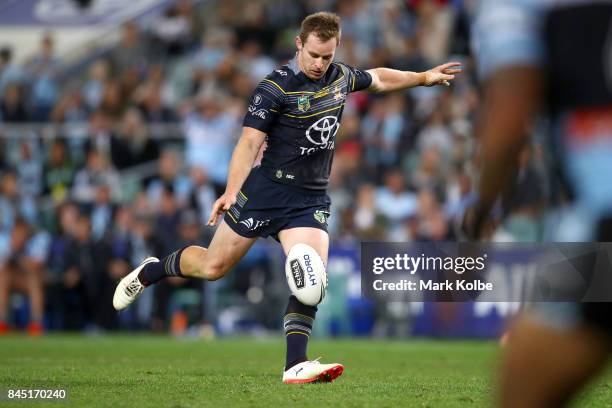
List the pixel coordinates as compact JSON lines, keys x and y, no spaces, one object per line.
{"x":306,"y":274}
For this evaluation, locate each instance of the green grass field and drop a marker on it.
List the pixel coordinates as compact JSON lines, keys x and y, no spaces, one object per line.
{"x":146,"y":371}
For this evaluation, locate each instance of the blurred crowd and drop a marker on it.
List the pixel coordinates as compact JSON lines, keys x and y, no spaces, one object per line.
{"x":100,"y":169}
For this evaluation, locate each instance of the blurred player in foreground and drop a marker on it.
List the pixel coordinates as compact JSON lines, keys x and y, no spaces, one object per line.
{"x":297,"y":111}
{"x":554,"y":57}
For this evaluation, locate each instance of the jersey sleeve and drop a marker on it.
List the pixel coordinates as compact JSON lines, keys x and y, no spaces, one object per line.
{"x":264,"y":105}
{"x":357,"y":78}
{"x":507,"y":33}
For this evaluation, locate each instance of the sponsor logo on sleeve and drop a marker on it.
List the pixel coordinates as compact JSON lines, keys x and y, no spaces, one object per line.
{"x":261,"y":114}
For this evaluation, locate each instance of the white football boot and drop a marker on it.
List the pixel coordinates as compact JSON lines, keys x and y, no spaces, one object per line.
{"x":129,"y":288}
{"x":312,"y":371}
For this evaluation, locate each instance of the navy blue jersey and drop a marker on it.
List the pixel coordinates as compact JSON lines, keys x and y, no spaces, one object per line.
{"x":301,"y":118}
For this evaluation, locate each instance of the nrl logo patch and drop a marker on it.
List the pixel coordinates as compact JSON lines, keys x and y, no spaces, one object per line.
{"x":320,"y":216}
{"x":303,"y":103}
{"x":279,"y":173}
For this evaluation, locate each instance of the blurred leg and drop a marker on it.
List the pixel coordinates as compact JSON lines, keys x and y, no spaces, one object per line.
{"x":5,"y":283}
{"x":545,"y":366}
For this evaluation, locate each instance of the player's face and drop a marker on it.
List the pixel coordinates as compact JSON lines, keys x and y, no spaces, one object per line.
{"x":315,"y":56}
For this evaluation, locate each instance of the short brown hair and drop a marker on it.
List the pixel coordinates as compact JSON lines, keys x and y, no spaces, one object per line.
{"x":324,"y":25}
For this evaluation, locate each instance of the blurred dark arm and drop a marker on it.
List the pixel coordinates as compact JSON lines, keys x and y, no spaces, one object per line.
{"x":511,"y":98}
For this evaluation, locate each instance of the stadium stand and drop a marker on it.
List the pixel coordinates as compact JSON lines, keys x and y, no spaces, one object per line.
{"x":125,"y":156}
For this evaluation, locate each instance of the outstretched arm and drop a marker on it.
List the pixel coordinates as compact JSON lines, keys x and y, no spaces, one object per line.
{"x":388,"y":80}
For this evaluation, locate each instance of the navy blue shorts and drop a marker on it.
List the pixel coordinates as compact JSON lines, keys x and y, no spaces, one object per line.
{"x":264,"y":208}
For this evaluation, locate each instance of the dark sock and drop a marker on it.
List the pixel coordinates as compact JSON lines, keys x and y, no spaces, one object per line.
{"x":298,"y":322}
{"x":153,"y":272}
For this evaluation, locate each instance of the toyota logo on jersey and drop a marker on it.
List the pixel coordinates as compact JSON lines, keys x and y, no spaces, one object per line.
{"x":320,"y":132}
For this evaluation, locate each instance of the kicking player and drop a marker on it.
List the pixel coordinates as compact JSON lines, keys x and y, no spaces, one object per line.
{"x":556,"y":55}
{"x":296,"y":110}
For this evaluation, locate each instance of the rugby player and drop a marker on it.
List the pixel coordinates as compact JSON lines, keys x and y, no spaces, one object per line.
{"x":296,"y":109}
{"x":551,"y":57}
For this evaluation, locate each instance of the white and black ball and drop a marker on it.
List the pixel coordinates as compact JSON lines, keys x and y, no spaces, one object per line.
{"x":306,"y":274}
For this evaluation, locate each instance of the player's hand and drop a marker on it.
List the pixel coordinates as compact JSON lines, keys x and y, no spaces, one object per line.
{"x":442,"y":74}
{"x":220,"y":207}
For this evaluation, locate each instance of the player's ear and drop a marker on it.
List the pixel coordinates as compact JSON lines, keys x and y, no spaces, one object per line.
{"x":298,"y":43}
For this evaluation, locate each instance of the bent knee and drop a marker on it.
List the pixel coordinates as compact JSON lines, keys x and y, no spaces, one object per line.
{"x":213,"y":270}
{"x":204,"y":265}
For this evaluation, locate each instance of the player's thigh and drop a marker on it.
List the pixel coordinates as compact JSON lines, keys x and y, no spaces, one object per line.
{"x":226,"y":249}
{"x":543,"y":366}
{"x":314,"y":237}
